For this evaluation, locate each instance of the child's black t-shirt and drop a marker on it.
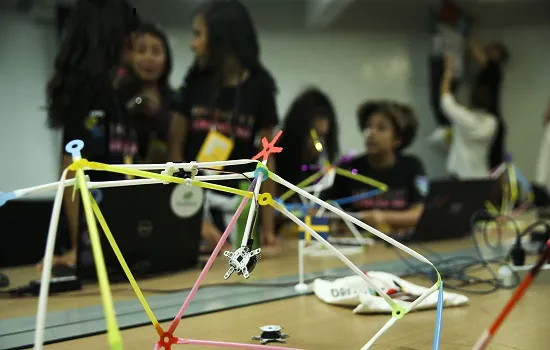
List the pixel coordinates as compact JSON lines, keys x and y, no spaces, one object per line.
{"x":96,"y":118}
{"x":237,"y":112}
{"x":406,"y":183}
{"x":152,"y":131}
{"x":491,"y":77}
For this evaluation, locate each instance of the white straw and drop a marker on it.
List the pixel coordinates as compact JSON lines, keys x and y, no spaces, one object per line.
{"x":253,"y":205}
{"x":47,"y":265}
{"x":350,"y":218}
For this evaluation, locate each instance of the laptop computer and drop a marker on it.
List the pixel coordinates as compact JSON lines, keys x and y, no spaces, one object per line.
{"x":156,"y":227}
{"x":449,"y":206}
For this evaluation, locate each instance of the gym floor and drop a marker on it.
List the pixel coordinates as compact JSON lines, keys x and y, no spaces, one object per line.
{"x":234,"y":313}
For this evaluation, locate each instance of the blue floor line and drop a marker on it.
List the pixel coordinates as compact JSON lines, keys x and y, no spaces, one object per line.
{"x":75,"y":323}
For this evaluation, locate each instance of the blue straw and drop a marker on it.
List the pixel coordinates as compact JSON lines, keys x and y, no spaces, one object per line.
{"x":5,"y":197}
{"x":341,"y":201}
{"x":523,"y":180}
{"x":357,"y":197}
{"x":438,"y":318}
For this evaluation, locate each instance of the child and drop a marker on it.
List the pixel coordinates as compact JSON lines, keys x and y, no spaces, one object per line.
{"x":473,"y":129}
{"x":388,"y":128}
{"x":312,"y":109}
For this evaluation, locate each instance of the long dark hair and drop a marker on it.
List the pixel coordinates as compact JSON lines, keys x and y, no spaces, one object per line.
{"x":132,"y":84}
{"x":90,"y":51}
{"x":231,"y":31}
{"x":481,"y":98}
{"x":402,"y":117}
{"x":311,"y":104}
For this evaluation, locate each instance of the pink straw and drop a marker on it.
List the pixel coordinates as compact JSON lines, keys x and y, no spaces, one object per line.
{"x":221,"y":344}
{"x":209,"y":263}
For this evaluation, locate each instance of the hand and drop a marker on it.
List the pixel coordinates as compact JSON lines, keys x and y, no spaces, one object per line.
{"x":373,"y":217}
{"x":312,"y":211}
{"x":449,"y":65}
{"x":269,"y":239}
{"x":145,"y":102}
{"x":151,"y":99}
{"x":67,"y":259}
{"x":212,"y":235}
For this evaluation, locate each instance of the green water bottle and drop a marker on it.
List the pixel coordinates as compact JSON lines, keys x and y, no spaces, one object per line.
{"x":241,"y":221}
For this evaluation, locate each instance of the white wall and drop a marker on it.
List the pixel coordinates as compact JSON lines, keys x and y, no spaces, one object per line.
{"x":29,"y":152}
{"x":526,"y":90}
{"x":371,"y":66}
{"x":368,"y":54}
{"x":351,"y":66}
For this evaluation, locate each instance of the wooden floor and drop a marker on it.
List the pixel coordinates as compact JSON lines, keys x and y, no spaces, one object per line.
{"x":311,"y":323}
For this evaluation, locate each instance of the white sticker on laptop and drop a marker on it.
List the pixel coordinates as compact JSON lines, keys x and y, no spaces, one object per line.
{"x":186,"y":201}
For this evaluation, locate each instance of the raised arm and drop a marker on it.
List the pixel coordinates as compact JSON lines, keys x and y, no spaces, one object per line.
{"x":446,"y":81}
{"x":477,"y":52}
{"x":454,"y":111}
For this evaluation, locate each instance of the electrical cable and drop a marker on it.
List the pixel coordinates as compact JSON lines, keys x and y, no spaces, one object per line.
{"x":461,"y":272}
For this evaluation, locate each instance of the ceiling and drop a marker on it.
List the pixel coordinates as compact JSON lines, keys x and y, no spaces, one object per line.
{"x":376,"y":14}
{"x":341,"y":14}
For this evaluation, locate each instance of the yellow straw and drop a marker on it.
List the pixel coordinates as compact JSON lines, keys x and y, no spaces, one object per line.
{"x":491,"y":208}
{"x":302,"y":184}
{"x":160,"y":177}
{"x":513,"y":186}
{"x":316,"y":141}
{"x":361,"y":178}
{"x":125,"y":267}
{"x":113,"y":333}
{"x":222,"y":188}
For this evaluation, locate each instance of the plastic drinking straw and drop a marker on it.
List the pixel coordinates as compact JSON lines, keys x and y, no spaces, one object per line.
{"x":127,"y":271}
{"x":113,"y":332}
{"x":362,"y":178}
{"x":303,"y":183}
{"x":209,"y":263}
{"x":488,"y":334}
{"x":47,"y":266}
{"x":438,"y":318}
{"x":220,"y":344}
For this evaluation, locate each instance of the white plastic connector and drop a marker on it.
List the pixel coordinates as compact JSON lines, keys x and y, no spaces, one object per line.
{"x":301,"y":288}
{"x":168,"y":171}
{"x":194,"y":170}
{"x":507,"y":274}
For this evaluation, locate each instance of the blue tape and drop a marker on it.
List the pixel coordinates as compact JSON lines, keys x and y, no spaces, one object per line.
{"x":438,"y":318}
{"x":4,"y":197}
{"x":295,"y":206}
{"x":261,"y":170}
{"x":341,"y":201}
{"x":74,"y":148}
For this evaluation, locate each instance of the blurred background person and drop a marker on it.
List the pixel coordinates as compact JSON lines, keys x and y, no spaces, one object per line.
{"x":226,"y":91}
{"x":81,"y":100}
{"x":491,"y":60}
{"x":543,"y":164}
{"x":388,"y":129}
{"x":474,"y":129}
{"x":146,"y":93}
{"x":312,"y":109}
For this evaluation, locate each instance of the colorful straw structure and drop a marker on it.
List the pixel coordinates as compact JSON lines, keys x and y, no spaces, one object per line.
{"x":144,"y":175}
